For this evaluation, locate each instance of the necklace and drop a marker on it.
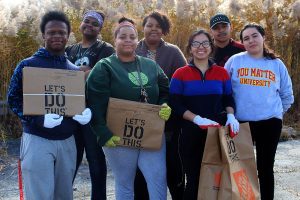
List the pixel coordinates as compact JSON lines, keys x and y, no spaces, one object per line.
{"x":81,"y":53}
{"x":82,"y":58}
{"x":143,"y":93}
{"x":151,"y":54}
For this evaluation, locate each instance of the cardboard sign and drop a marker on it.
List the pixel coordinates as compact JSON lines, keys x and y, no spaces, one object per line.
{"x":47,"y":90}
{"x":138,"y":124}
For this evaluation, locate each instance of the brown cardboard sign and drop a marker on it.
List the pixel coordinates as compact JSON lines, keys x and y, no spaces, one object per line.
{"x":138,"y":124}
{"x":48,"y":90}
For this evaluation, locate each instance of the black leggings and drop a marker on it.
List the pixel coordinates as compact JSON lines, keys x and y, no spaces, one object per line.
{"x":87,"y":140}
{"x":265,"y":135}
{"x":192,"y":142}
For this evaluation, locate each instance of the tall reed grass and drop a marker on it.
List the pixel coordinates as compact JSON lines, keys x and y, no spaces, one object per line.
{"x":281,"y":20}
{"x":13,"y":49}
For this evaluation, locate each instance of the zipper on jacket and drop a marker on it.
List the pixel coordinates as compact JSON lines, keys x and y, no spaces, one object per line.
{"x":202,"y":76}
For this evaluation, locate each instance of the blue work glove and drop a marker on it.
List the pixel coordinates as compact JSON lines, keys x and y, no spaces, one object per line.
{"x":165,"y":112}
{"x":84,"y":118}
{"x":204,"y":123}
{"x":113,"y":141}
{"x":52,"y":120}
{"x":233,"y":124}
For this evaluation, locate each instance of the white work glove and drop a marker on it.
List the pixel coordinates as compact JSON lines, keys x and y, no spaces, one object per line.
{"x":204,"y":123}
{"x":233,"y":124}
{"x":52,"y":120}
{"x":84,"y":118}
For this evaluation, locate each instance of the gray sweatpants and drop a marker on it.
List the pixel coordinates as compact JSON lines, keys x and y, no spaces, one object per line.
{"x":48,"y":167}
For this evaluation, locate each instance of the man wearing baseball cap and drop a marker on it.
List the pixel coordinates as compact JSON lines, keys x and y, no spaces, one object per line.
{"x":220,"y":27}
{"x":85,"y":55}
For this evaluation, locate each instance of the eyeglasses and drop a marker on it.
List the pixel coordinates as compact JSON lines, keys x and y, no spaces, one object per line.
{"x":197,"y":44}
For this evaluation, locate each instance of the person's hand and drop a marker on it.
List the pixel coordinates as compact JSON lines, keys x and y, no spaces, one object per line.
{"x":233,"y":124}
{"x":84,"y":118}
{"x":204,"y":123}
{"x":165,"y":112}
{"x":85,"y":68}
{"x":52,"y":120}
{"x":113,"y":141}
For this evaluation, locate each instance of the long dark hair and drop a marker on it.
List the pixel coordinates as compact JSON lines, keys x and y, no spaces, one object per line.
{"x":267,"y":52}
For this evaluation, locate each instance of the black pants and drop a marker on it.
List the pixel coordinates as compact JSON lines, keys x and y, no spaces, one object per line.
{"x":192,"y":142}
{"x":175,"y":177}
{"x":265,"y":135}
{"x":87,"y":140}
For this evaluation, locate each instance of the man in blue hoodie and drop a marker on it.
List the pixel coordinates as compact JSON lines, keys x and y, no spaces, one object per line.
{"x":48,"y":151}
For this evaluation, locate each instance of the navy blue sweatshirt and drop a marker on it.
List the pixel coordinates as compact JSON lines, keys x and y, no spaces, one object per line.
{"x":34,"y":124}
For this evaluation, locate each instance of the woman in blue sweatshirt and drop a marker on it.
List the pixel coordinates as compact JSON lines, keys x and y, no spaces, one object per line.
{"x":262,"y":90}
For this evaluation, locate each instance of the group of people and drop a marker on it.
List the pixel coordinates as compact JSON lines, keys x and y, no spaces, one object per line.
{"x":223,"y":82}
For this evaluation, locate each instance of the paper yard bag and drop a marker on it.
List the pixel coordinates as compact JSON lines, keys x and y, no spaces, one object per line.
{"x":211,"y":167}
{"x":231,"y":166}
{"x":138,"y":124}
{"x":240,"y":172}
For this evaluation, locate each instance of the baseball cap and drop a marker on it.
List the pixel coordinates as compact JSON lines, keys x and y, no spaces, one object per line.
{"x":219,"y":18}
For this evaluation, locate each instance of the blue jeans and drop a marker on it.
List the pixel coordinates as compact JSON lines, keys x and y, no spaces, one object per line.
{"x":124,"y":162}
{"x":87,"y":140}
{"x":175,"y":178}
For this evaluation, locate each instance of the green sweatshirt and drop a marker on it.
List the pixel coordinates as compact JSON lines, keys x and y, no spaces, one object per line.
{"x":113,"y":78}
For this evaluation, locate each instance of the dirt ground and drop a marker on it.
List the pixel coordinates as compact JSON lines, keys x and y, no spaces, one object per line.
{"x":287,"y":173}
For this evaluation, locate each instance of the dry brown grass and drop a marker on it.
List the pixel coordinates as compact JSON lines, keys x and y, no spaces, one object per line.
{"x":282,"y":28}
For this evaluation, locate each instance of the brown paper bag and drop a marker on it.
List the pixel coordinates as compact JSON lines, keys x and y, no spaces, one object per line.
{"x":211,"y":167}
{"x":238,"y":168}
{"x":238,"y":154}
{"x":138,"y":124}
